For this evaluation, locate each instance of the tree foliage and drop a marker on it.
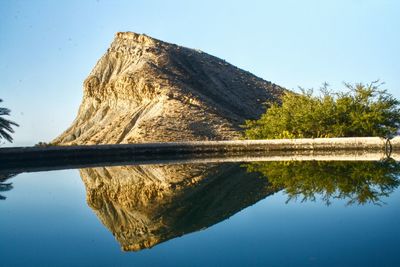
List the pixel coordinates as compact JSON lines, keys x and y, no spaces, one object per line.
{"x":6,"y":125}
{"x":360,"y":110}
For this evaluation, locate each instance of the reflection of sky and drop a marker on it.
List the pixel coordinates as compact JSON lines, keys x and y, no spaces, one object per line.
{"x":47,"y":48}
{"x":45,"y":218}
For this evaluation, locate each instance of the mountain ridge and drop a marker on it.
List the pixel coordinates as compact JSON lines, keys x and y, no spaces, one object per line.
{"x":146,"y":90}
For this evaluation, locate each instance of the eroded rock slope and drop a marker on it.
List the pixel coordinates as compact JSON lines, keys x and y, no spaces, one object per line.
{"x":143,"y":89}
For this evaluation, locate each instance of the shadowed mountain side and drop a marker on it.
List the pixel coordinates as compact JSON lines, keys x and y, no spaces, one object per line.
{"x":144,"y":90}
{"x":146,"y":205}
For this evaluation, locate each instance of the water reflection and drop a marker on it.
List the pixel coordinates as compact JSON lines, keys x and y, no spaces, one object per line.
{"x":356,"y":182}
{"x":4,"y":186}
{"x":146,"y":205}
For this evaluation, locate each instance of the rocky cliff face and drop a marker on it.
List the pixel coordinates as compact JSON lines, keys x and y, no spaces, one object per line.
{"x":146,"y":205}
{"x":143,"y":89}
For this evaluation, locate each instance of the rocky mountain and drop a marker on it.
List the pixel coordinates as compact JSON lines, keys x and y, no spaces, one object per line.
{"x":143,"y":89}
{"x":146,"y":205}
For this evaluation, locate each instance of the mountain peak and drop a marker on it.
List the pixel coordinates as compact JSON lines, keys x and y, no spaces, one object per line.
{"x":145,"y":90}
{"x":135,"y":37}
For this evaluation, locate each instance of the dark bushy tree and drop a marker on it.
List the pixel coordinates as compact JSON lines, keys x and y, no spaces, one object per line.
{"x":6,"y":125}
{"x":361,"y":110}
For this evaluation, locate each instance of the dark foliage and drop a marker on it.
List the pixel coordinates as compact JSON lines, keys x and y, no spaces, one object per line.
{"x":6,"y":125}
{"x":360,"y":110}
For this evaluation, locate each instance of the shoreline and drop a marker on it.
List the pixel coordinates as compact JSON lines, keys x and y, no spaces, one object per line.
{"x":64,"y":157}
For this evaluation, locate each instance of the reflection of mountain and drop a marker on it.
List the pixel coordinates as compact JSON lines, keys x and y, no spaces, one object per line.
{"x":146,"y":205}
{"x":149,"y":204}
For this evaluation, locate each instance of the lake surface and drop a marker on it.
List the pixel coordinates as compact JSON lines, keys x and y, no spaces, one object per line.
{"x":230,"y":214}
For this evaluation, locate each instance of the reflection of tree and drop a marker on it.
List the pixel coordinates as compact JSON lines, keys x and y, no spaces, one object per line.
{"x":5,"y":186}
{"x":357,"y":182}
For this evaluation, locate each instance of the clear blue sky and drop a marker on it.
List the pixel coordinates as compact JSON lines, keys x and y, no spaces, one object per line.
{"x":47,"y":48}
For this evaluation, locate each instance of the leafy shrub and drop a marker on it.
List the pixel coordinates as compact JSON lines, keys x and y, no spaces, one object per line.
{"x":361,"y":110}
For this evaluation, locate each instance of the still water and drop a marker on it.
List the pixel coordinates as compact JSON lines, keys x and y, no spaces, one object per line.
{"x":230,"y":214}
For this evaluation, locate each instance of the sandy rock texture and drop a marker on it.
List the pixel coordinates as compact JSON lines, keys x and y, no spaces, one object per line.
{"x":145,"y":205}
{"x":145,"y":90}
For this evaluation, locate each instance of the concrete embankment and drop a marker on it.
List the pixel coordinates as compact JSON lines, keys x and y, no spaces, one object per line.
{"x":395,"y":143}
{"x":32,"y":157}
{"x":48,"y":165}
{"x":353,"y":143}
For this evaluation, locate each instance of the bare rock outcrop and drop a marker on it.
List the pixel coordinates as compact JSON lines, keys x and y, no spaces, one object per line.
{"x":146,"y":205}
{"x":143,"y":89}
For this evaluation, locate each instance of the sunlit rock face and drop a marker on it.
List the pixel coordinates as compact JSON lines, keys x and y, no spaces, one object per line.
{"x":146,"y":205}
{"x":143,"y":89}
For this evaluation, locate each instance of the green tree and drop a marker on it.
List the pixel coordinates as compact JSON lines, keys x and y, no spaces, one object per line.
{"x":360,"y":110}
{"x":6,"y":125}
